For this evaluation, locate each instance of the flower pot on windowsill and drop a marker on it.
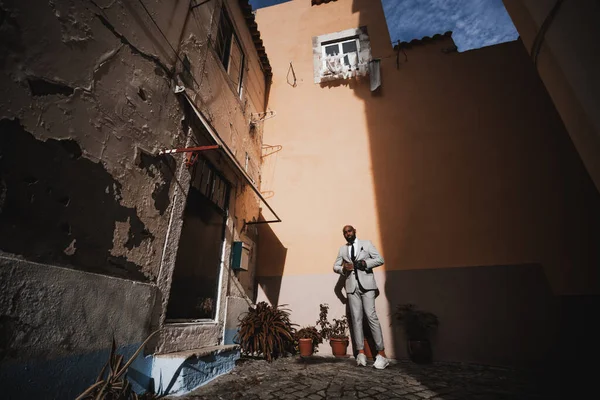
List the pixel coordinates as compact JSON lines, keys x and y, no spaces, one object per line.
{"x":339,"y":346}
{"x":306,"y":347}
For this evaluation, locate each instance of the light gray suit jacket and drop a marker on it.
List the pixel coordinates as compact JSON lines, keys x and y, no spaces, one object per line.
{"x":367,"y":252}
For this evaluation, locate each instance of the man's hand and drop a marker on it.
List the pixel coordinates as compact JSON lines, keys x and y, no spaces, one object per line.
{"x":347,"y":266}
{"x":360,"y":265}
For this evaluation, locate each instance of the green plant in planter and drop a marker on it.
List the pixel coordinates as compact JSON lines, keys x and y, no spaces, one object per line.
{"x":266,"y":331}
{"x":309,"y":332}
{"x":336,"y":333}
{"x":418,"y":326}
{"x":323,"y":323}
{"x":339,"y":329}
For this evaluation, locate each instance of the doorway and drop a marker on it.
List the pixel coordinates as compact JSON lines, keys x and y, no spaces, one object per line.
{"x":195,"y":287}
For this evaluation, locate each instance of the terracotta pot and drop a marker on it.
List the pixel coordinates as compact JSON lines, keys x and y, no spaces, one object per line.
{"x":306,"y":347}
{"x":339,"y":346}
{"x":368,"y":351}
{"x":420,"y":351}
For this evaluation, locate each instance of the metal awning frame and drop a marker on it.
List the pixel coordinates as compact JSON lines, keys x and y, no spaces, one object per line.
{"x":230,"y":156}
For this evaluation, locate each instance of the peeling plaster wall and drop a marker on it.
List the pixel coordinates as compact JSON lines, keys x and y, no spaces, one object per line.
{"x":91,"y":102}
{"x":56,"y":326}
{"x":216,"y":97}
{"x":103,"y":90}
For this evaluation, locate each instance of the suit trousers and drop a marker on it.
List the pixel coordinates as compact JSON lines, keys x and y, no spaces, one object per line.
{"x":363,"y":301}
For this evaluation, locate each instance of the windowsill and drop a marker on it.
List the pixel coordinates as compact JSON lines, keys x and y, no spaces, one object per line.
{"x":187,"y":322}
{"x":357,"y":74}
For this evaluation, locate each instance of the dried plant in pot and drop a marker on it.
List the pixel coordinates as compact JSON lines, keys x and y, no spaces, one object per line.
{"x":266,"y":331}
{"x":307,"y":340}
{"x":418,"y":326}
{"x":112,"y":382}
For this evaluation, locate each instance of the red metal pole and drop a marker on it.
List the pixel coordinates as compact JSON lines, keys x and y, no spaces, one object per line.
{"x":189,"y":149}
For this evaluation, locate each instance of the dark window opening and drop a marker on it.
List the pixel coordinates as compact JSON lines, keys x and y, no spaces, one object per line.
{"x":195,"y":286}
{"x":229,"y":49}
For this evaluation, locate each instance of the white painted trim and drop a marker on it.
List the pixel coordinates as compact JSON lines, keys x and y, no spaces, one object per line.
{"x":162,"y":258}
{"x":220,"y":281}
{"x":222,"y":341}
{"x":207,"y":322}
{"x":348,"y":33}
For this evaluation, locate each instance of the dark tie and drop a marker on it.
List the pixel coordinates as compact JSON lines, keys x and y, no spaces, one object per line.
{"x":352,"y":256}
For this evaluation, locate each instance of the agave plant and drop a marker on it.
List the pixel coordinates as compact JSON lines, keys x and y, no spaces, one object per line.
{"x":112,"y":381}
{"x":266,"y":331}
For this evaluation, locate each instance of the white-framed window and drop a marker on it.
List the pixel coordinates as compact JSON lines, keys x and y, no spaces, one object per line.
{"x":341,"y":55}
{"x":346,"y":49}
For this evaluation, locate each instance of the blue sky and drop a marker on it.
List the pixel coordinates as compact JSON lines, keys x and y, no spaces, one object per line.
{"x":474,"y":23}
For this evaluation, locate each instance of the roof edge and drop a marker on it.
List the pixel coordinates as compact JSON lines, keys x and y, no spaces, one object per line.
{"x":423,"y":40}
{"x":255,"y":33}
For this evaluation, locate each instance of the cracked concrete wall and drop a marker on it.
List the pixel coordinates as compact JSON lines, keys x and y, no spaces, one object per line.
{"x":39,"y":356}
{"x":91,"y":102}
{"x":89,"y":97}
{"x":217,"y":96}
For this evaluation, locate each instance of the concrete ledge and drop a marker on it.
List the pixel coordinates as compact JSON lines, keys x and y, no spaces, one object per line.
{"x":182,"y":337}
{"x":179,"y":373}
{"x":199,"y":353}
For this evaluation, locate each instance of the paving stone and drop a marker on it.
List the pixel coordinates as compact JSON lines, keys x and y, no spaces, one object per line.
{"x":322,"y":378}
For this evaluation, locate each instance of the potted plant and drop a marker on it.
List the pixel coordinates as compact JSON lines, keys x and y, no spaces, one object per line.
{"x":418,"y":326}
{"x":339,"y":339}
{"x":266,"y":331}
{"x":336,"y":333}
{"x":307,"y":339}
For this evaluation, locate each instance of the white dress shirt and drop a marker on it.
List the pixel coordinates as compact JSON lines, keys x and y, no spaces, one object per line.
{"x":354,"y":244}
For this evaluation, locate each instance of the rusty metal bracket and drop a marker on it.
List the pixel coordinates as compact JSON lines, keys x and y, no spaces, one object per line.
{"x":191,"y":152}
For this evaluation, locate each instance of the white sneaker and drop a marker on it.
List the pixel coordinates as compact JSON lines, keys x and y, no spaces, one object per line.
{"x":381,"y":362}
{"x":361,"y":360}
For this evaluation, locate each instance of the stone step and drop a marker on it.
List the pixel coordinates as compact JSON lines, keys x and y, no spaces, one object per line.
{"x":179,"y":373}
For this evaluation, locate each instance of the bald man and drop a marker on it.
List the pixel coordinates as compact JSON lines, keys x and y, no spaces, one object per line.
{"x":356,"y":260}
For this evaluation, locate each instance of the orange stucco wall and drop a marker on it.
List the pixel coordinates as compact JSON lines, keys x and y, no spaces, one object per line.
{"x":459,"y":169}
{"x":461,"y":160}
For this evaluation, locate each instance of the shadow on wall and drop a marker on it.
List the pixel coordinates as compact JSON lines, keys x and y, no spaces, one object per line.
{"x":59,"y":207}
{"x":500,"y":315}
{"x":270,"y":262}
{"x":475,"y":178}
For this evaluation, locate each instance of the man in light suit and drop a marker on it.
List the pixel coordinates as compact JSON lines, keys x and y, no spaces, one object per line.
{"x":356,"y":260}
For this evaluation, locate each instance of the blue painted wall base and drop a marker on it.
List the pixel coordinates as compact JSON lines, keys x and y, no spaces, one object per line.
{"x":179,"y":375}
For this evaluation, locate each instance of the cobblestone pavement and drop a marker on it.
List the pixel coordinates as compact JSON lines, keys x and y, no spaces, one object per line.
{"x":329,"y":378}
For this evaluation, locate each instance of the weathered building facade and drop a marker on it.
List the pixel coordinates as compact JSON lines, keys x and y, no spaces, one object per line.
{"x":103,"y":234}
{"x":456,"y":165}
